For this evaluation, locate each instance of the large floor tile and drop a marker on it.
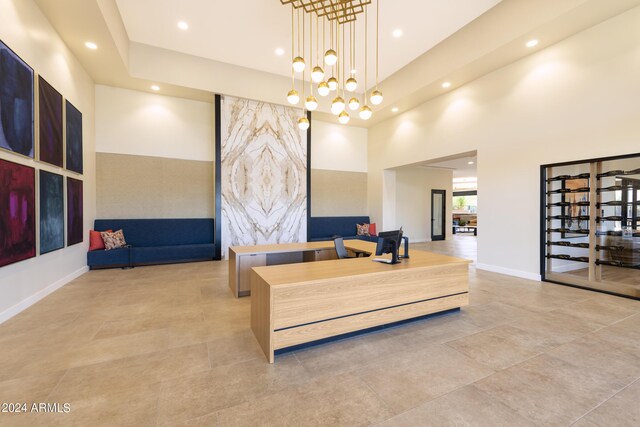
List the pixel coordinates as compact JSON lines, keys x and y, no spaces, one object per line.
{"x":622,"y":410}
{"x":549,"y":391}
{"x":336,"y":401}
{"x":414,"y":377}
{"x":466,"y":406}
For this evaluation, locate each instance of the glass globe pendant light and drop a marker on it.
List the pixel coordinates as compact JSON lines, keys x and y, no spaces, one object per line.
{"x":354,"y":104}
{"x":337,"y":106}
{"x":323,"y":89}
{"x":376,"y":97}
{"x":365,"y":112}
{"x":293,"y":97}
{"x":298,"y":64}
{"x":311,"y":103}
{"x":330,"y":57}
{"x":333,"y":84}
{"x":303,"y":123}
{"x":343,"y":118}
{"x":317,"y":74}
{"x":351,"y":85}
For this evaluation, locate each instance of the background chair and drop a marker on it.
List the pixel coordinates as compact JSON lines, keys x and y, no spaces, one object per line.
{"x":338,"y":242}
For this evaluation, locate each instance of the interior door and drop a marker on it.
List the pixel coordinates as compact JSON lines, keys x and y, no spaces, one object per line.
{"x":438,"y":206}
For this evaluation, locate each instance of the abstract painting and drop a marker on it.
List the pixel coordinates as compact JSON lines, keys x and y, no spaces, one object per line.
{"x":16,"y":103}
{"x":50,"y":123}
{"x":51,"y":212}
{"x":75,"y":222}
{"x":264,"y":174}
{"x":74,"y":138}
{"x":17,"y":212}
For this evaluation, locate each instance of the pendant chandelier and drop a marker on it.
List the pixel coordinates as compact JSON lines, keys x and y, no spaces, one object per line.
{"x":323,"y":47}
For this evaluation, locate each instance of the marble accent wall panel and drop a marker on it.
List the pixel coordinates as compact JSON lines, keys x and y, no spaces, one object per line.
{"x":264,"y":174}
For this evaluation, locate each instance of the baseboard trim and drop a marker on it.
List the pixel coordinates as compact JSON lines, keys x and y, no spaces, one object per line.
{"x":31,"y":300}
{"x":509,"y":271}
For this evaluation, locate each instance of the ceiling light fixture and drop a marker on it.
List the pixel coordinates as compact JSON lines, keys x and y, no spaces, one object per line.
{"x":532,"y":43}
{"x":333,"y":67}
{"x":91,"y":45}
{"x":397,"y":33}
{"x":155,"y":87}
{"x":394,"y":110}
{"x":446,"y":85}
{"x":183,"y":25}
{"x":279,"y":51}
{"x":470,"y":163}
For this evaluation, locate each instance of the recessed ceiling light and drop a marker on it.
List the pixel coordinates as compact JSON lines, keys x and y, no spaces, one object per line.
{"x":183,"y":25}
{"x":446,"y":85}
{"x":91,"y":45}
{"x":155,"y":87}
{"x":397,"y":33}
{"x":470,"y":163}
{"x":279,"y":51}
{"x":394,"y":109}
{"x":532,"y":43}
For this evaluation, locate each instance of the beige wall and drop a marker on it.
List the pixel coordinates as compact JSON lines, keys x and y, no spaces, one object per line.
{"x":146,"y":124}
{"x":153,"y":187}
{"x":413,"y":200}
{"x":338,"y":147}
{"x":26,"y":30}
{"x":574,"y":100}
{"x":338,"y":193}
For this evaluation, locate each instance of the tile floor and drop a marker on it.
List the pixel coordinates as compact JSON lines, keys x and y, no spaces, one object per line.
{"x":169,"y":346}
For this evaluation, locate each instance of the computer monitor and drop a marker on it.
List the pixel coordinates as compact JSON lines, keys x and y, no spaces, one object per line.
{"x":389,"y":243}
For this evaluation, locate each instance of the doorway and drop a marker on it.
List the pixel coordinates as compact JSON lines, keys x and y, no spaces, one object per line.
{"x":438,"y":209}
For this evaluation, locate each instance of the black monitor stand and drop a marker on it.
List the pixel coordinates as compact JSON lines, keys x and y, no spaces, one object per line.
{"x":394,"y":252}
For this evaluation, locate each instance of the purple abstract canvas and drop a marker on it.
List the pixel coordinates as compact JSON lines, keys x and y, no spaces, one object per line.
{"x":17,"y":212}
{"x":75,"y":221}
{"x":50,"y":123}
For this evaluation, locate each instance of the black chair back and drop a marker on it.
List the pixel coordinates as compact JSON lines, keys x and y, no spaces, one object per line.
{"x":340,"y":249}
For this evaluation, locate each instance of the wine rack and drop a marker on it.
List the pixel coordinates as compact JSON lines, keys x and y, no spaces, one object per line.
{"x":590,"y":224}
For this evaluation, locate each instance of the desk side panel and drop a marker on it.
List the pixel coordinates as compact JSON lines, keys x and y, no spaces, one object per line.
{"x":341,"y":296}
{"x":261,"y":321}
{"x":233,"y":272}
{"x":245,"y":263}
{"x":316,"y":331}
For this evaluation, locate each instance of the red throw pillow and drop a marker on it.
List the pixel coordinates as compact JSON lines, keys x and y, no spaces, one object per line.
{"x":372,"y":229}
{"x":95,"y":240}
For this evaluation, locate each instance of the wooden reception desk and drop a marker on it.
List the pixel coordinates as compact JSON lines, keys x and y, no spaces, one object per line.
{"x":243,"y":258}
{"x":298,"y":303}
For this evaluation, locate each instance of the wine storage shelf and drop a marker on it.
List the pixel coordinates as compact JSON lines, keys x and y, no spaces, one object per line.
{"x":590,"y":224}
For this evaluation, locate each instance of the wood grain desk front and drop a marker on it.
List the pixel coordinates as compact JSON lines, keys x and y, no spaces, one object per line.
{"x":298,"y":303}
{"x":243,"y":258}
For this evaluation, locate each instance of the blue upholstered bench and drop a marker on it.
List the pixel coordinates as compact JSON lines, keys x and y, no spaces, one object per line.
{"x":327,"y":227}
{"x":156,"y":241}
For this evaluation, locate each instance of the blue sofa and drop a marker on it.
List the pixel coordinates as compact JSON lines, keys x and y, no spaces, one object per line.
{"x":156,"y":241}
{"x":326,"y":227}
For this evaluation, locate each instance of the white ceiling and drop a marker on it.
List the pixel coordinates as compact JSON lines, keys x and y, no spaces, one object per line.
{"x":247,"y":32}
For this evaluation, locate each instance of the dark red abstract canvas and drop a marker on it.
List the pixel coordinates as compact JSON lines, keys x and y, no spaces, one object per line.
{"x":75,"y":218}
{"x":50,"y":123}
{"x":17,"y":212}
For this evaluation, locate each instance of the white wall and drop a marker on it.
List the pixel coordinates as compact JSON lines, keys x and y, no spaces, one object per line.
{"x":24,"y":29}
{"x":145,"y":124}
{"x":413,"y":201}
{"x":577,"y":99}
{"x":338,"y":147}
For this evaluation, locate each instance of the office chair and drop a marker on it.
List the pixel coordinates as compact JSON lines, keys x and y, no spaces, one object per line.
{"x":340,"y":249}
